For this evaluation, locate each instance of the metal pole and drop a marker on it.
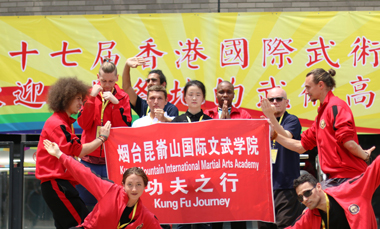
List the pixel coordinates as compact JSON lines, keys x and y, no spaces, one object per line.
{"x":18,"y":191}
{"x":11,"y":176}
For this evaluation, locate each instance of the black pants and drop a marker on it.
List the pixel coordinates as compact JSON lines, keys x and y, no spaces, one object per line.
{"x":333,"y":182}
{"x":234,"y":225}
{"x":287,"y":209}
{"x":63,"y":200}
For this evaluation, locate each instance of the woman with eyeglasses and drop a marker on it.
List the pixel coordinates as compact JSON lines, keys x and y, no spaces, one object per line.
{"x":107,"y":102}
{"x":119,"y":206}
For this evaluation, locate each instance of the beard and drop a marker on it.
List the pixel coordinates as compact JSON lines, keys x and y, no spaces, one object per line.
{"x":312,"y":99}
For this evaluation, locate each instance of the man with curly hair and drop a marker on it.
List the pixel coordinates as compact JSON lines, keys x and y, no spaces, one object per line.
{"x":57,"y":186}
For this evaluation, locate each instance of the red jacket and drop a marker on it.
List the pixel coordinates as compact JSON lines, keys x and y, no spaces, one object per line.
{"x":112,"y":200}
{"x":58,"y":129}
{"x":354,"y":194}
{"x":334,"y":126}
{"x":236,"y":113}
{"x":89,"y":116}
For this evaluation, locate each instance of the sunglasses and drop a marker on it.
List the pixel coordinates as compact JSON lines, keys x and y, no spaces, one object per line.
{"x":278,"y":99}
{"x":306,"y":194}
{"x":152,"y":79}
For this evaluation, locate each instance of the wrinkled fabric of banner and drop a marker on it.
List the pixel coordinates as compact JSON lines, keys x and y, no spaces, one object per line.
{"x":210,"y":171}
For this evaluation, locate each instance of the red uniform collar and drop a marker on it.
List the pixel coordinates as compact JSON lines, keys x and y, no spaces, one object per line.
{"x":326,"y":101}
{"x":63,"y":115}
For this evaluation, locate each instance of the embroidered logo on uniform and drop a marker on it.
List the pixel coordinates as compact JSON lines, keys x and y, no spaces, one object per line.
{"x":354,"y":209}
{"x":322,"y":124}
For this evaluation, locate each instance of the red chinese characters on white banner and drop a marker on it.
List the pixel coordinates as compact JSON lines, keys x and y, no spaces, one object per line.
{"x":361,"y":96}
{"x":277,"y":48}
{"x":318,"y":52}
{"x":306,"y":97}
{"x":363,"y":48}
{"x":190,"y":52}
{"x":217,"y":174}
{"x":105,"y":46}
{"x":65,"y":52}
{"x":268,"y":85}
{"x":234,"y":52}
{"x":27,"y":95}
{"x":24,"y":52}
{"x":141,"y":88}
{"x":176,"y":94}
{"x":150,"y":53}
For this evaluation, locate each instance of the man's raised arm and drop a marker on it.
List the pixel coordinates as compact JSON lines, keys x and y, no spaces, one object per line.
{"x":132,"y":62}
{"x":269,"y":111}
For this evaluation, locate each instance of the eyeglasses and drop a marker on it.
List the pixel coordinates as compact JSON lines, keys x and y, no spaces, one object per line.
{"x":278,"y":99}
{"x":151,"y":79}
{"x":306,"y":194}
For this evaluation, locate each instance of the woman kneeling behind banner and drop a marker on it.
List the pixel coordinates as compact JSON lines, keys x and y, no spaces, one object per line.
{"x":118,"y":206}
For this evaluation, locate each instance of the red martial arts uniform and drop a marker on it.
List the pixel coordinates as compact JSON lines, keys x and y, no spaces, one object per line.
{"x":334,"y":126}
{"x":354,"y":196}
{"x":89,"y":118}
{"x":57,"y":185}
{"x":236,"y":113}
{"x":112,"y":200}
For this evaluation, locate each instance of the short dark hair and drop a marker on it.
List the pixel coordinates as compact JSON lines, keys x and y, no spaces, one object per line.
{"x":226,"y":82}
{"x":319,"y":74}
{"x":307,"y":177}
{"x":63,"y":92}
{"x":137,"y":171}
{"x":160,"y":74}
{"x":197,"y":83}
{"x":108,"y":66}
{"x":157,"y":88}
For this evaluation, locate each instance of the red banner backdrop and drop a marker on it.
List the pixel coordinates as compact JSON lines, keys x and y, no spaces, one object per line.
{"x":210,"y":171}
